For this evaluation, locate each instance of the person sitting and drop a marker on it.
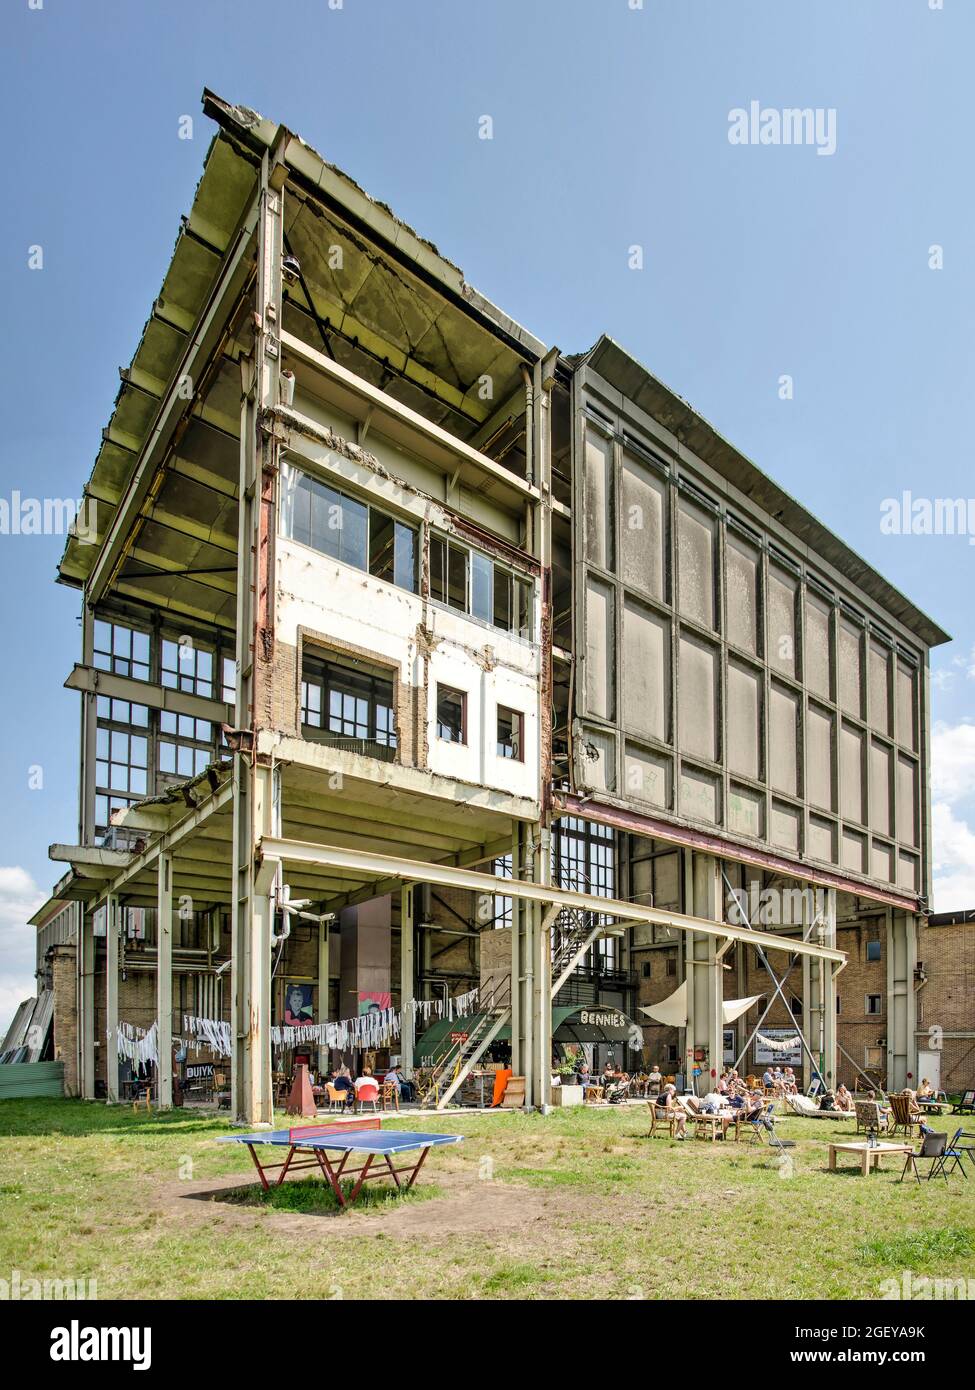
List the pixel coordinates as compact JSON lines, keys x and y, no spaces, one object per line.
{"x":925,"y":1091}
{"x":790,"y":1083}
{"x":667,"y":1100}
{"x":768,"y":1079}
{"x":343,"y":1083}
{"x":654,"y":1081}
{"x":885,"y":1110}
{"x":395,"y":1077}
{"x":827,"y":1101}
{"x":843,"y":1100}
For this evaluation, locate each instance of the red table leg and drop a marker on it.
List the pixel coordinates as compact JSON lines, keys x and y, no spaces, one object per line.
{"x":257,"y":1165}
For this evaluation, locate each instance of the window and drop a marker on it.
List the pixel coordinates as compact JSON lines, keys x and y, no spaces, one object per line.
{"x":838,"y":1006}
{"x":584,"y":859}
{"x":873,"y":1004}
{"x":796,"y":1005}
{"x":502,"y":904}
{"x":451,"y":714}
{"x":646,"y":971}
{"x":185,"y":744}
{"x":228,"y":679}
{"x":121,"y":650}
{"x":315,"y":514}
{"x":873,"y":1058}
{"x":511,"y":734}
{"x":186,"y":667}
{"x":873,"y":950}
{"x":474,"y":583}
{"x":348,"y":705}
{"x":671,"y":965}
{"x":121,"y":759}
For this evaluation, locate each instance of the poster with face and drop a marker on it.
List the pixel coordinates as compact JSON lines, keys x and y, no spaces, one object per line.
{"x":298,"y":1004}
{"x":373,"y":1001}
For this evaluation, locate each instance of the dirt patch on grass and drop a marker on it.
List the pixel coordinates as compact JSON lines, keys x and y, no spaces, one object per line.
{"x":460,"y":1206}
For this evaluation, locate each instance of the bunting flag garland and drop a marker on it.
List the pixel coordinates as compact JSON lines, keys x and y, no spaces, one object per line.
{"x":139,"y":1045}
{"x":779,"y":1044}
{"x":208,"y":1032}
{"x":371,"y":1030}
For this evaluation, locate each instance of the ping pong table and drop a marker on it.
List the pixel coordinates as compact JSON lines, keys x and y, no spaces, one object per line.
{"x":316,"y":1145}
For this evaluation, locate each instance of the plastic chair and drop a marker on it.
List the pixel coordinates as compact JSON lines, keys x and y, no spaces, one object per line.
{"x":367,"y":1093}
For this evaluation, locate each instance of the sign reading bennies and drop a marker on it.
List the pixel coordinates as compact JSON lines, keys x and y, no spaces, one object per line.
{"x":603,"y":1020}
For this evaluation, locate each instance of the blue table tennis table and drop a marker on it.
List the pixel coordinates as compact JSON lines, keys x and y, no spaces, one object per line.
{"x":316,"y":1145}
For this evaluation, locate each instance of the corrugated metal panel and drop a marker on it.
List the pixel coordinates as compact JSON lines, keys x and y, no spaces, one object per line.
{"x":21,"y":1079}
{"x":17,"y":1032}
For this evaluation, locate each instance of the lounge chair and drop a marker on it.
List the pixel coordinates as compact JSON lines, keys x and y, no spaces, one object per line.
{"x":903,"y":1117}
{"x":965,"y":1103}
{"x":807,"y":1108}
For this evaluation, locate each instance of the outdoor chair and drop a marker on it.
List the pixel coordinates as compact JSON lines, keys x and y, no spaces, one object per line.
{"x":759,"y":1127}
{"x":966,"y":1102}
{"x":933,"y":1147}
{"x":367,"y":1093}
{"x":869,"y":1116}
{"x":902,"y":1116}
{"x":390,"y":1094}
{"x":662,"y":1117}
{"x":956,"y":1149}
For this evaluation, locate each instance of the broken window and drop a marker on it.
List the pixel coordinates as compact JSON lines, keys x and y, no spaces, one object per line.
{"x":511,"y":734}
{"x":185,"y":666}
{"x":451,"y":714}
{"x":122,"y":650}
{"x":348,"y":705}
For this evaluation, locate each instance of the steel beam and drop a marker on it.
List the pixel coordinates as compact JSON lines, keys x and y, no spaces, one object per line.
{"x":382,"y":867}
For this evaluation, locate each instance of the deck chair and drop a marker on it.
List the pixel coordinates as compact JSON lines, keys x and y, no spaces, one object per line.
{"x":902,"y":1118}
{"x":933,"y":1147}
{"x":966,"y":1102}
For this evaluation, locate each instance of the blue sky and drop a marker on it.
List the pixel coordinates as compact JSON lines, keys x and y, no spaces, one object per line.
{"x":610,"y":130}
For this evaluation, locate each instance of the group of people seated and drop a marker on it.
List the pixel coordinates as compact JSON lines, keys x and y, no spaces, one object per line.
{"x":341,"y":1080}
{"x":731,"y":1101}
{"x":780,"y":1081}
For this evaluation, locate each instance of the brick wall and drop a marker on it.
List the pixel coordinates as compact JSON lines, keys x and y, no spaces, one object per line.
{"x":65,"y":1020}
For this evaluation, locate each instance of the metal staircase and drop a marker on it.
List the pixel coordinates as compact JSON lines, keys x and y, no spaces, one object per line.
{"x":454,"y":1066}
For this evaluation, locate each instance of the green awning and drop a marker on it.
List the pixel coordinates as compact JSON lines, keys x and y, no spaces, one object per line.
{"x":576,"y":1023}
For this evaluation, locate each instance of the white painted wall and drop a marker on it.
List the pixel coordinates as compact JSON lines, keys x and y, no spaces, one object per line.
{"x":337,"y":600}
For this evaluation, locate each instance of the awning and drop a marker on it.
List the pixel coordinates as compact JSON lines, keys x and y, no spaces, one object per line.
{"x":672,"y":1011}
{"x":576,"y":1023}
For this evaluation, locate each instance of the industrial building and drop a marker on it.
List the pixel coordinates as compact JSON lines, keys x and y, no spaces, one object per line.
{"x":385,"y":601}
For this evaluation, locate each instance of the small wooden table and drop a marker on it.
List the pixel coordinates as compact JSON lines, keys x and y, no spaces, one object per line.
{"x":869,"y":1156}
{"x":713,"y":1122}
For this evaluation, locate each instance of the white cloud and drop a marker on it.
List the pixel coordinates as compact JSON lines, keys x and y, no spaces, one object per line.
{"x":953,"y":860}
{"x":20,"y":898}
{"x":953,"y":762}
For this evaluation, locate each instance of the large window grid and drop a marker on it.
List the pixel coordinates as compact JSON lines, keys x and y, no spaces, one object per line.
{"x":120,"y":649}
{"x":121,"y":759}
{"x":184,"y":666}
{"x":584,"y":860}
{"x":348,"y":706}
{"x":185,"y":744}
{"x":779,"y":624}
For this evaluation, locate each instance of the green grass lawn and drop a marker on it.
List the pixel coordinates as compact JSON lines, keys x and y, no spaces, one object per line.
{"x":575,"y":1204}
